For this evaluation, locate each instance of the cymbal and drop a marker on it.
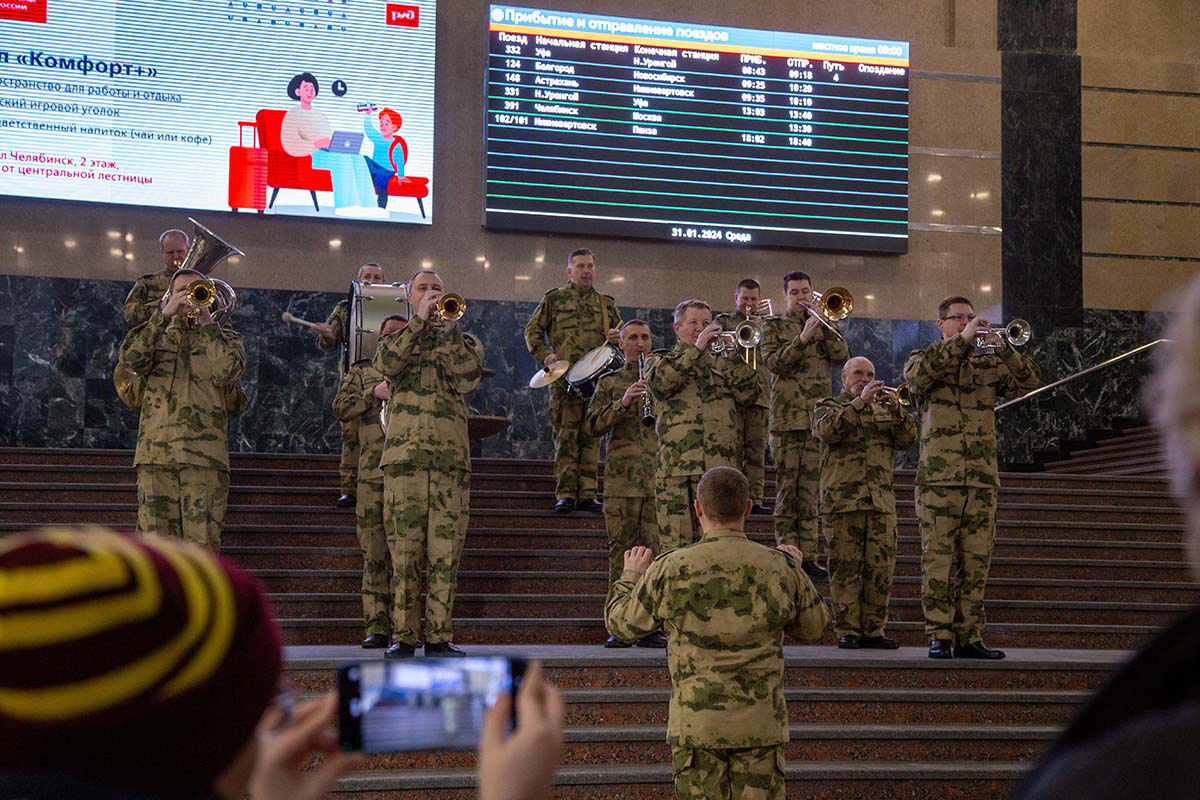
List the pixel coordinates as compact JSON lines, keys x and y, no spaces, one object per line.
{"x":544,"y":377}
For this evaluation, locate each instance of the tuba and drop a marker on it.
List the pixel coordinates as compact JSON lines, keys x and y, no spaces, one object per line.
{"x":206,"y":250}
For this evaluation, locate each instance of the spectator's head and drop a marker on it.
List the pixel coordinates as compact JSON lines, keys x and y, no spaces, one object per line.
{"x":797,"y":290}
{"x":581,"y":268}
{"x":370,"y":272}
{"x":174,"y":245}
{"x":389,"y":122}
{"x":1177,"y":402}
{"x":723,"y":499}
{"x":138,"y":663}
{"x":393,"y":324}
{"x":635,"y":339}
{"x":747,"y":295}
{"x":691,"y":317}
{"x":303,"y":87}
{"x":953,"y":315}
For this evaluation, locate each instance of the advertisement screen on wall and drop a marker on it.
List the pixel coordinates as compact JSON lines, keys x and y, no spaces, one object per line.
{"x":319,"y":108}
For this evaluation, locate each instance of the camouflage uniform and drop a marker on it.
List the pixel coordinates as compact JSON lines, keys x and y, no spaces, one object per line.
{"x":858,"y":507}
{"x":356,"y":401}
{"x":724,"y":604}
{"x":696,"y":396}
{"x":576,"y":322}
{"x":146,"y":294}
{"x":182,"y":457}
{"x":752,"y":422}
{"x":957,"y":479}
{"x":339,"y":320}
{"x":629,"y":457}
{"x":427,"y":469}
{"x":800,"y":376}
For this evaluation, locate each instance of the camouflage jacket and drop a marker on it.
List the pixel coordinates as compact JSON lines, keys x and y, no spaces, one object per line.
{"x":146,"y":294}
{"x":632,"y":446}
{"x":800,"y":373}
{"x":430,"y":372}
{"x":339,"y":320}
{"x":184,"y":415}
{"x":858,"y":452}
{"x":762,"y":399}
{"x":573,"y":320}
{"x":696,"y":396}
{"x":356,"y":400}
{"x":724,"y":604}
{"x":955,"y":393}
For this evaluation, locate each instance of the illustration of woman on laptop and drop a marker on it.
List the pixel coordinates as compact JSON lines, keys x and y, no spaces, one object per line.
{"x":306,"y":132}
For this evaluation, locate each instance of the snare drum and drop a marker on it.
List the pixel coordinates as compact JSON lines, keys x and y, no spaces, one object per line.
{"x":590,"y":368}
{"x":370,"y":303}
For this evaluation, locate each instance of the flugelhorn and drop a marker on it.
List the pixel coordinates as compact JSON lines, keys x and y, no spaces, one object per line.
{"x":1016,"y":333}
{"x":448,"y":308}
{"x":647,"y":409}
{"x":832,"y":305}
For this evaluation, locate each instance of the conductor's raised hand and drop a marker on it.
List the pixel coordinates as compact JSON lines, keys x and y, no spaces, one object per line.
{"x":637,"y":559}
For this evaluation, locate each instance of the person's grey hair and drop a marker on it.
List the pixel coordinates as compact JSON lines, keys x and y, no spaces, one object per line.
{"x":162,"y":237}
{"x":682,"y":308}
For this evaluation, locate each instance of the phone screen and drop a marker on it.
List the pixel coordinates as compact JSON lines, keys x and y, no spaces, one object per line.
{"x":420,"y":704}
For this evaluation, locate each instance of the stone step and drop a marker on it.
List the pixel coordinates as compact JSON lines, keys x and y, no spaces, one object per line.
{"x":825,"y":780}
{"x":318,"y":605}
{"x":1125,"y":441}
{"x":1112,"y":467}
{"x":1100,"y":457}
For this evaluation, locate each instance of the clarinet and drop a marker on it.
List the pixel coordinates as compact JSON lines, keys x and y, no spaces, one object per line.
{"x":647,"y":411}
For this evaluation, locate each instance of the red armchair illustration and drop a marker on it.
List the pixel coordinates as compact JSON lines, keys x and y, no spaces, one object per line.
{"x":407,"y":186}
{"x":290,"y":172}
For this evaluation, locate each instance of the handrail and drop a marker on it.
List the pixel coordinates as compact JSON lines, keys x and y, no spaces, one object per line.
{"x":1094,"y":368}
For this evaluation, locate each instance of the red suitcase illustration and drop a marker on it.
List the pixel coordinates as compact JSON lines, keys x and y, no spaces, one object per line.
{"x":248,"y":172}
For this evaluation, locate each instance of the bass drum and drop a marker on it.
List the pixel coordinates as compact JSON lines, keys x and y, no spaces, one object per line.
{"x":370,"y":304}
{"x":590,"y":368}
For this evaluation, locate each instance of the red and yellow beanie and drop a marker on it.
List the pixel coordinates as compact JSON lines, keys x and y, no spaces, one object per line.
{"x":128,"y":661}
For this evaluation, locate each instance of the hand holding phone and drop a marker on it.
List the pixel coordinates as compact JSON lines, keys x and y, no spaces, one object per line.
{"x":522,"y":765}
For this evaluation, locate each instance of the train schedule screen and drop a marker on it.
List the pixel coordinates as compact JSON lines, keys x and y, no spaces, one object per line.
{"x":629,"y":127}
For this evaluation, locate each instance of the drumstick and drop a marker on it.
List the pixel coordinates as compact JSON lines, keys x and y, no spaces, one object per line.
{"x":287,"y":317}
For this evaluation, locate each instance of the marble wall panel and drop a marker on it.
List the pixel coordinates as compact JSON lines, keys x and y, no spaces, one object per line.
{"x":1165,"y":31}
{"x":954,"y":190}
{"x":1130,"y":173}
{"x":1141,"y":229}
{"x":957,"y":114}
{"x":1135,"y":284}
{"x":1161,"y":120}
{"x":1142,"y":73}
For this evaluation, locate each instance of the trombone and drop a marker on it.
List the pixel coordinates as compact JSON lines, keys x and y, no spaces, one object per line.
{"x":832,"y":305}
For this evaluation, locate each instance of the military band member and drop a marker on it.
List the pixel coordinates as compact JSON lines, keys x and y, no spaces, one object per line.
{"x":957,"y":480}
{"x":696,"y":394}
{"x":861,"y":431}
{"x":192,"y":371}
{"x":430,"y":367}
{"x":575,"y":318}
{"x":800,"y":354}
{"x":725,"y":603}
{"x":360,"y":398}
{"x":752,"y":417}
{"x":148,"y":290}
{"x":617,"y":410}
{"x":332,"y":335}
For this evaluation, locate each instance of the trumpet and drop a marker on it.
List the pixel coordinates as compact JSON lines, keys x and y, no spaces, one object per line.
{"x":749,"y":333}
{"x":902,"y":394}
{"x":207,"y":293}
{"x":448,"y":308}
{"x":725,"y":345}
{"x":832,"y":305}
{"x":1016,"y":333}
{"x":647,"y":410}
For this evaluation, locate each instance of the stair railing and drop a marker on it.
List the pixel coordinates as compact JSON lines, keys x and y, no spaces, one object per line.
{"x":1094,"y":368}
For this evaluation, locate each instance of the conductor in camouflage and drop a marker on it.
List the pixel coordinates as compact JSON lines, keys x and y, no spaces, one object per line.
{"x":575,"y":318}
{"x":192,"y":370}
{"x":331,"y":337}
{"x":360,"y":398}
{"x":696,"y":395}
{"x":801,"y":354}
{"x":616,"y":411}
{"x":148,"y":290}
{"x":430,"y":367}
{"x":957,"y":482}
{"x":752,"y":417}
{"x":725,"y":604}
{"x":860,"y":432}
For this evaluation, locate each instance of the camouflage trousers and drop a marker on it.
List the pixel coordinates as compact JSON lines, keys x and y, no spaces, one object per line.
{"x":576,"y":455}
{"x":862,"y":560}
{"x":752,"y":448}
{"x":797,"y":481}
{"x":184,"y":502}
{"x":348,"y":468}
{"x":425,"y":515}
{"x":752,"y":773}
{"x":631,"y":522}
{"x":958,"y":529}
{"x":677,"y":523}
{"x":377,"y":565}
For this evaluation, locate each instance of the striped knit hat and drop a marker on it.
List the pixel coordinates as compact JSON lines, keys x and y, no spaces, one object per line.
{"x":129,"y":662}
